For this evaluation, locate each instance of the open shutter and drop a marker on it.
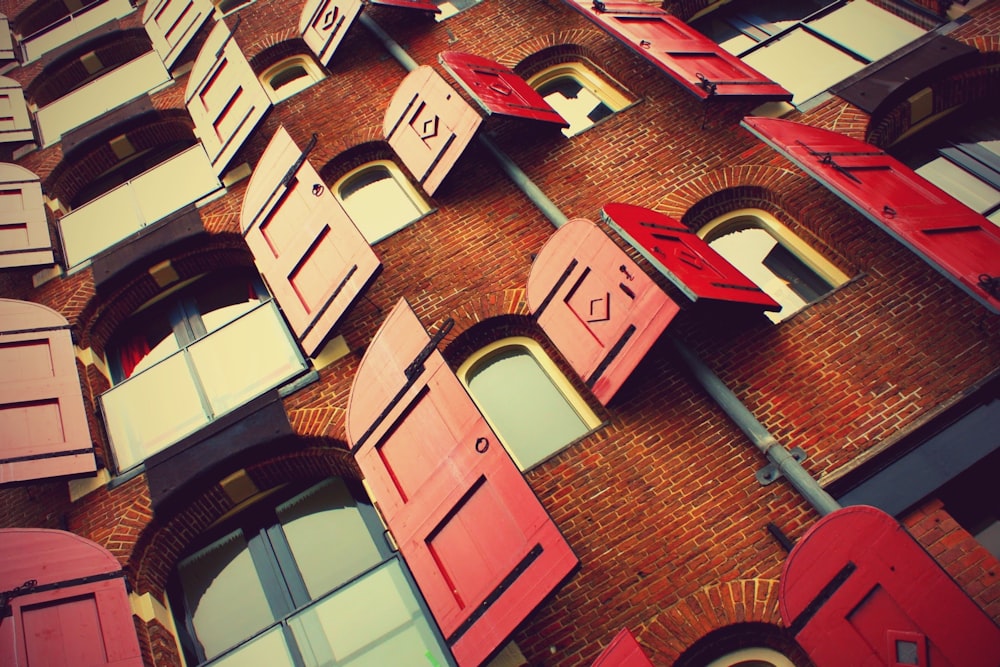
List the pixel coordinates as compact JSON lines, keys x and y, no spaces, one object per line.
{"x":67,"y":600}
{"x":687,"y":260}
{"x":700,"y":65}
{"x":857,"y":589}
{"x":6,"y":40}
{"x":15,"y":125}
{"x":419,"y":5}
{"x":960,"y":243}
{"x":429,"y":125}
{"x":596,"y":305}
{"x":498,"y":89}
{"x":172,"y":24}
{"x":43,"y":425}
{"x":481,"y":547}
{"x":623,"y":651}
{"x":324,"y":23}
{"x":224,"y":97}
{"x":24,"y":230}
{"x":315,"y":261}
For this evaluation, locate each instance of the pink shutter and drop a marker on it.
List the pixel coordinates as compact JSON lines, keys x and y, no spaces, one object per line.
{"x":419,"y":5}
{"x":43,"y":424}
{"x":481,"y":547}
{"x":172,"y":25}
{"x":857,"y":589}
{"x":15,"y":125}
{"x":697,"y":63}
{"x":960,"y":243}
{"x":68,"y":603}
{"x":324,"y":23}
{"x":596,"y":305}
{"x":24,"y":229}
{"x":315,"y":261}
{"x":6,"y":40}
{"x":429,"y":125}
{"x":498,"y":89}
{"x":623,"y":651}
{"x":688,"y":261}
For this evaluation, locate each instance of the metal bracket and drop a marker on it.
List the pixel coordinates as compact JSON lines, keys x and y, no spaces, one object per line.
{"x":770,"y":472}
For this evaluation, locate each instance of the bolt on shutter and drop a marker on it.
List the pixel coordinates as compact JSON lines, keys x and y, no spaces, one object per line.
{"x":323,"y":25}
{"x":420,"y":5}
{"x":481,"y":547}
{"x":24,"y":229}
{"x":429,"y":125}
{"x":498,"y":89}
{"x":66,"y":602}
{"x":15,"y":125}
{"x":172,"y":24}
{"x":596,"y":305}
{"x":700,"y":65}
{"x":224,"y":97}
{"x":315,"y":261}
{"x":623,"y":651}
{"x":857,"y":589}
{"x":6,"y":40}
{"x":687,"y":260}
{"x":43,"y":424}
{"x":960,"y":243}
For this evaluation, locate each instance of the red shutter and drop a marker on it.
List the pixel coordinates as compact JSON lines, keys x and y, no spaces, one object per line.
{"x":690,"y":263}
{"x":24,"y":230}
{"x":68,"y":603}
{"x":315,"y":261}
{"x":324,"y":23}
{"x":951,"y":237}
{"x":623,"y":651}
{"x":172,"y":24}
{"x":498,"y":89}
{"x":15,"y":125}
{"x":857,"y":589}
{"x":420,"y":5}
{"x":43,"y":425}
{"x":598,"y":307}
{"x":697,"y":63}
{"x":429,"y":125}
{"x":481,"y":547}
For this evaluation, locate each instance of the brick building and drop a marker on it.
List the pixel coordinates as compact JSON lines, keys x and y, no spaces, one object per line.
{"x":424,"y":333}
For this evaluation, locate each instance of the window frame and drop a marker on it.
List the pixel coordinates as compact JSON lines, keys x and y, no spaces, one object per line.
{"x":599,"y":84}
{"x":403,"y":183}
{"x":312,"y":74}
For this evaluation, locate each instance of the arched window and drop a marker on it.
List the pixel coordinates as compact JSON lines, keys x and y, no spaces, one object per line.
{"x":290,"y":76}
{"x":580,"y":95}
{"x":379,"y":199}
{"x":752,"y":657}
{"x":771,"y":255}
{"x":226,"y":6}
{"x":526,"y":399}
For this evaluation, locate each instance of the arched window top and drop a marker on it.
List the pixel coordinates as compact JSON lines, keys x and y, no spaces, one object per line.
{"x":752,"y":657}
{"x":289,"y":76}
{"x":580,"y":95}
{"x":379,"y":199}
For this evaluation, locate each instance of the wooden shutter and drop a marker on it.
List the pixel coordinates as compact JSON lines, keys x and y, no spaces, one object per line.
{"x":857,"y":589}
{"x":6,"y":40}
{"x":324,"y":23}
{"x":429,"y":125}
{"x":224,"y":97}
{"x":419,"y":5}
{"x":172,"y":24}
{"x":960,"y":243}
{"x":623,"y":651}
{"x":480,"y":545}
{"x":15,"y":125}
{"x":687,"y":260}
{"x":700,"y":65}
{"x":68,"y":605}
{"x":315,"y":261}
{"x":24,"y":229}
{"x":596,"y":305}
{"x":498,"y":89}
{"x":43,"y":425}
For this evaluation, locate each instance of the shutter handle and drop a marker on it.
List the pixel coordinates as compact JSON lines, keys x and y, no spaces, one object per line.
{"x":482,"y":444}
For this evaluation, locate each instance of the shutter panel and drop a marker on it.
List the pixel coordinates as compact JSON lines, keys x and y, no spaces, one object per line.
{"x":857,"y":589}
{"x":172,"y":24}
{"x":480,"y":545}
{"x":24,"y":229}
{"x":15,"y":125}
{"x":315,"y":261}
{"x":429,"y":125}
{"x":6,"y":40}
{"x":687,"y":260}
{"x":421,"y":5}
{"x":623,"y":651}
{"x":43,"y":425}
{"x":700,"y":65}
{"x":324,"y":23}
{"x":74,"y":609}
{"x":596,"y":305}
{"x":960,"y":243}
{"x":224,"y":97}
{"x":498,"y":89}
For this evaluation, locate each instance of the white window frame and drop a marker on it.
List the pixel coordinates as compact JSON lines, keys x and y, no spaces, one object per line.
{"x":400,"y":181}
{"x":312,"y":74}
{"x":598,"y":85}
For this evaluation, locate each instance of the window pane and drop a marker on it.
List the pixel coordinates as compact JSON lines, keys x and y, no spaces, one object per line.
{"x":960,"y":184}
{"x":269,"y":649}
{"x":805,"y":65}
{"x":578,"y":106}
{"x":867,"y":30}
{"x":377,"y":204}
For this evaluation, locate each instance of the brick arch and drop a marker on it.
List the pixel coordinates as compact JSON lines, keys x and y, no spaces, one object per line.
{"x":278,"y":52}
{"x":590,"y":45}
{"x":369,"y":147}
{"x":714,"y":188}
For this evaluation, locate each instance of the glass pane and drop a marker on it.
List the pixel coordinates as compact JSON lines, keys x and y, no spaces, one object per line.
{"x":373,"y":622}
{"x":725,"y":35}
{"x":960,"y":184}
{"x":867,"y":30}
{"x":805,"y":65}
{"x":99,"y":224}
{"x":328,"y":536}
{"x":575,"y":103}
{"x":524,"y":405}
{"x":377,"y":204}
{"x":270,"y":650}
{"x":220,"y":301}
{"x":175,"y":183}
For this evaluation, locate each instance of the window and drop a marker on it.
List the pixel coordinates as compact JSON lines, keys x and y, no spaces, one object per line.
{"x":526,"y":399}
{"x":451,"y":7}
{"x":226,"y":6}
{"x":290,"y":76}
{"x":807,"y":45}
{"x":380,"y":199}
{"x":301,"y":577}
{"x":752,"y":657}
{"x":580,"y":96}
{"x":971,"y":499}
{"x":768,"y":253}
